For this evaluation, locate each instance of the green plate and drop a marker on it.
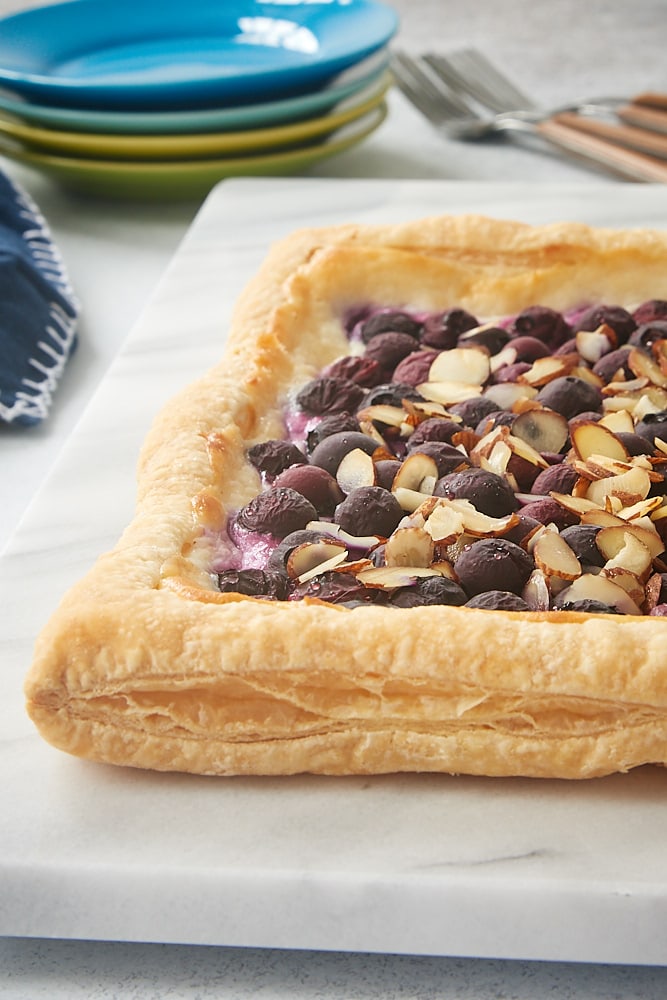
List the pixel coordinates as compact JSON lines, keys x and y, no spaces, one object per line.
{"x":192,"y":146}
{"x":173,"y":180}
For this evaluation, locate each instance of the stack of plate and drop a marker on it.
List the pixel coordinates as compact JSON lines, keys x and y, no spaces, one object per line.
{"x":133,"y":98}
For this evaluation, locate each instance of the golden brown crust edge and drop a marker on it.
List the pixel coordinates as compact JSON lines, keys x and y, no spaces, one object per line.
{"x":145,"y":664}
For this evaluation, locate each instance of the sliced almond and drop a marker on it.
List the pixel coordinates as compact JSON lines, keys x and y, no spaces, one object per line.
{"x":593,"y":587}
{"x":469,"y":365}
{"x":481,"y":525}
{"x":643,"y":366}
{"x":601,"y":518}
{"x":587,"y":375}
{"x":536,"y":592}
{"x":311,"y":558}
{"x":546,"y":369}
{"x":652,"y":591}
{"x":362,"y":543}
{"x":368,"y":428}
{"x":444,"y":524}
{"x":576,"y":505}
{"x":594,"y":344}
{"x":630,"y":583}
{"x":383,"y":413}
{"x":524,"y":450}
{"x":410,"y":500}
{"x":591,"y":438}
{"x":355,"y":470}
{"x":409,"y":547}
{"x":621,"y":548}
{"x":449,"y":393}
{"x":506,"y":394}
{"x":544,"y":430}
{"x":631,"y":487}
{"x":641,"y":509}
{"x":414,"y":471}
{"x":648,"y":537}
{"x":554,"y":556}
{"x":618,"y":421}
{"x":391,"y":577}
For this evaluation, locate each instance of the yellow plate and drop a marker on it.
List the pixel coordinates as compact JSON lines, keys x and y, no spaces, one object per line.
{"x":170,"y":180}
{"x":193,"y":146}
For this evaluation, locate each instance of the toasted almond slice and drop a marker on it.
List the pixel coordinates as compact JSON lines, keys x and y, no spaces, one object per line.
{"x":544,"y":430}
{"x":631,"y":487}
{"x":601,"y":518}
{"x":444,"y":524}
{"x":591,"y":438}
{"x":587,"y":375}
{"x":643,"y":366}
{"x":449,"y":393}
{"x":641,"y":509}
{"x":311,"y":558}
{"x":368,"y":428}
{"x":536,"y":592}
{"x":506,"y":394}
{"x":524,"y":450}
{"x":393,"y":416}
{"x":648,"y":537}
{"x":444,"y":568}
{"x":469,"y":365}
{"x":414,"y":471}
{"x":506,"y":356}
{"x":409,"y":547}
{"x":625,"y":387}
{"x":614,"y":403}
{"x":355,"y":470}
{"x":391,"y":577}
{"x":424,"y":409}
{"x":652,"y":591}
{"x":589,"y":586}
{"x":359,"y":542}
{"x":410,"y":500}
{"x":618,"y":421}
{"x":353,"y":566}
{"x":554,"y":556}
{"x":623,"y":549}
{"x":498,"y":458}
{"x":575,"y":504}
{"x":546,"y":369}
{"x":630,"y":582}
{"x":593,"y":344}
{"x":481,"y":525}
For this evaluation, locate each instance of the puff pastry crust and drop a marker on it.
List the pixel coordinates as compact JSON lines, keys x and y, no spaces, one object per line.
{"x":146,"y":664}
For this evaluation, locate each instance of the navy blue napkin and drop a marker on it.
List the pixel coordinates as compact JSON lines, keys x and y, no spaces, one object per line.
{"x":38,"y":309}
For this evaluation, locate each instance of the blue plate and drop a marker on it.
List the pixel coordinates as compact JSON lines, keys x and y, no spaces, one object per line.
{"x":246,"y":116}
{"x":133,"y":54}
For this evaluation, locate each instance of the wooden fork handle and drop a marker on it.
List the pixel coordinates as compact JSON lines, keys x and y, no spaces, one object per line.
{"x":640,"y":139}
{"x":627,"y":163}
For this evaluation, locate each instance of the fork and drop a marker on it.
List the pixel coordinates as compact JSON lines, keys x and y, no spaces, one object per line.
{"x":422,"y":82}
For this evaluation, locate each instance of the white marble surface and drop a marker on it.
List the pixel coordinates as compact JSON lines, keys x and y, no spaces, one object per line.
{"x":566,"y":873}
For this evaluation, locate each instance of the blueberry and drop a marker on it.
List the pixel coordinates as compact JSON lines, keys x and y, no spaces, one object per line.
{"x":278,"y":558}
{"x":443,"y":329}
{"x":609,"y":364}
{"x":390,"y":321}
{"x":433,"y":429}
{"x":277,"y":512}
{"x":387,"y":349}
{"x":335,"y":588}
{"x":635,"y":444}
{"x":498,"y":418}
{"x":336,"y":423}
{"x":272,"y":457}
{"x":446,"y":457}
{"x":620,"y":320}
{"x":330,"y":452}
{"x":652,"y":426}
{"x":414,"y":369}
{"x":369,"y":510}
{"x":472,"y":411}
{"x":313,"y":483}
{"x":329,"y":395}
{"x":363,"y":371}
{"x":581,"y":539}
{"x":557,"y":478}
{"x":649,"y":333}
{"x":489,"y":493}
{"x":650,"y":311}
{"x":529,"y":349}
{"x":429,"y":590}
{"x":493,"y":338}
{"x":587,"y":605}
{"x":544,"y":324}
{"x":385,"y":472}
{"x":391,"y":393}
{"x":493,"y":564}
{"x":570,"y":396}
{"x":498,"y":600}
{"x":547,"y":511}
{"x":254,"y":583}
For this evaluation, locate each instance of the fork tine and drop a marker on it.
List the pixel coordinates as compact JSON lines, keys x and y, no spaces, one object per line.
{"x":426,"y":91}
{"x":470,"y":72}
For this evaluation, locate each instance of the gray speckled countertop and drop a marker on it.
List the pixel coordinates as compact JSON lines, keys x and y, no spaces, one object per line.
{"x":559,"y":50}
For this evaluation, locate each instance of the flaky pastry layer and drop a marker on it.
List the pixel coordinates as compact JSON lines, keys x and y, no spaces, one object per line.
{"x":146,"y":664}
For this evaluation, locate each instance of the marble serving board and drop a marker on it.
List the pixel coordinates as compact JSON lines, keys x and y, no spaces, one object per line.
{"x":409,"y":864}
